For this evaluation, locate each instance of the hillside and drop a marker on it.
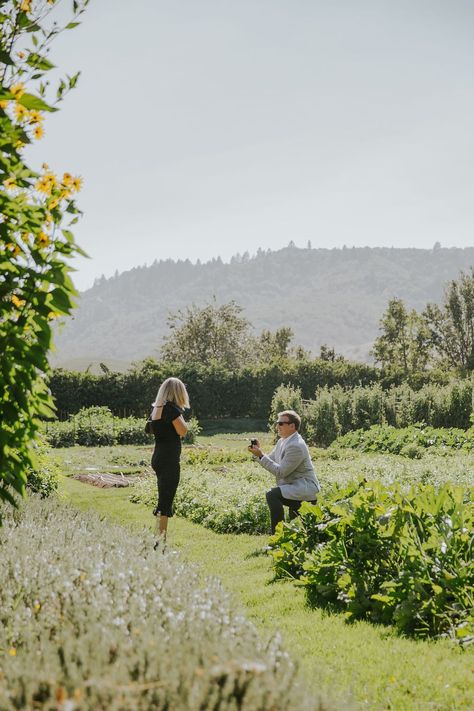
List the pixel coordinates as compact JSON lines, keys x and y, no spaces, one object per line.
{"x":332,"y":296}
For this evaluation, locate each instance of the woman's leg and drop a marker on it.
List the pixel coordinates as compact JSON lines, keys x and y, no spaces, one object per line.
{"x":167,"y":480}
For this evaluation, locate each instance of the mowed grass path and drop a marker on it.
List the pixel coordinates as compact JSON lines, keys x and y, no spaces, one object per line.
{"x":367,"y":663}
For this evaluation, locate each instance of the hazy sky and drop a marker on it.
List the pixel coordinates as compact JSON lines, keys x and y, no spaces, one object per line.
{"x":211,"y":127}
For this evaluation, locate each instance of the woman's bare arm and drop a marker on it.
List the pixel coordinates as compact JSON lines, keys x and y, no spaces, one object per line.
{"x":180,"y":426}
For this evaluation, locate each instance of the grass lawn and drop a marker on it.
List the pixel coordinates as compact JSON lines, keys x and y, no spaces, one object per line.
{"x":368,"y":663}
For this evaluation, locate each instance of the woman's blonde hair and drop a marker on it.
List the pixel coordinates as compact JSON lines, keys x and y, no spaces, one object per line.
{"x":172,"y":390}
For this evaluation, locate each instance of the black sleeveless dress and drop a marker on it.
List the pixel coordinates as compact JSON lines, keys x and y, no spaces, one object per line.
{"x":165,"y":459}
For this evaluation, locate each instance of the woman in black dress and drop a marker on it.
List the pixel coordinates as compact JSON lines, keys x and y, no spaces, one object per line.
{"x":168,"y":426}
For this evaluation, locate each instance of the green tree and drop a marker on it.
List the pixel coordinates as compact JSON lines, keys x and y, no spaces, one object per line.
{"x":208,"y":333}
{"x":36,"y":211}
{"x":271,"y":346}
{"x":404,"y":344}
{"x":451,"y":326}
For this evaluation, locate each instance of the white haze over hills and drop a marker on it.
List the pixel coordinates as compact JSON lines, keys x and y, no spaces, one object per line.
{"x":327,"y":296}
{"x":209,"y":128}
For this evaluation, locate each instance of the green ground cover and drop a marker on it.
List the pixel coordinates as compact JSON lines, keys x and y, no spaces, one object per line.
{"x":95,"y":620}
{"x":365,"y":661}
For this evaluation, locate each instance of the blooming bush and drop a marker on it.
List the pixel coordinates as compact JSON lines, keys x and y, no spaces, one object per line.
{"x":92,"y":618}
{"x":37,"y":210}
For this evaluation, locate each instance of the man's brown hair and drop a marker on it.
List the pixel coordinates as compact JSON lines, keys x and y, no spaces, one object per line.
{"x":292,"y":416}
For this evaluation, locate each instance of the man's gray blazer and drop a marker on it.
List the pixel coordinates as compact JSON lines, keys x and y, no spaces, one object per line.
{"x":291,"y":464}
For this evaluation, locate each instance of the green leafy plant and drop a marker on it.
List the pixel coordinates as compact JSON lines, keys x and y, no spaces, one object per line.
{"x":43,"y":479}
{"x":36,"y":212}
{"x":403,"y":558}
{"x":96,"y":426}
{"x":407,"y":441}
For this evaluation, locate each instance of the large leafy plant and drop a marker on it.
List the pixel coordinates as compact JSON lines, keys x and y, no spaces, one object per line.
{"x":378,"y":553}
{"x":36,"y":211}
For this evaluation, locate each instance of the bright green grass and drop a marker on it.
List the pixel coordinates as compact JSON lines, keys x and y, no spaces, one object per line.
{"x":377,"y":668}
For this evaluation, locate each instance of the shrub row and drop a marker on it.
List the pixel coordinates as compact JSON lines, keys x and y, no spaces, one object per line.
{"x":336,"y":411}
{"x":96,"y":426}
{"x":225,"y":492}
{"x":43,"y":477}
{"x":214,"y":391}
{"x":226,"y":498}
{"x":387,"y":556}
{"x":94,"y":619}
{"x":407,"y":441}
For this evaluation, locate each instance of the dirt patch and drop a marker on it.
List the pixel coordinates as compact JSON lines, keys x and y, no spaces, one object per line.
{"x":105,"y":481}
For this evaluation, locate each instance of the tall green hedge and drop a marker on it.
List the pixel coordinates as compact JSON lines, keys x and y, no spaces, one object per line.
{"x":336,"y":411}
{"x":215,"y":392}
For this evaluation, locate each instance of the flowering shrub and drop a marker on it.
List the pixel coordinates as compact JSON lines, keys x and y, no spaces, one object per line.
{"x":387,"y":556}
{"x":37,"y":210}
{"x":92,"y":618}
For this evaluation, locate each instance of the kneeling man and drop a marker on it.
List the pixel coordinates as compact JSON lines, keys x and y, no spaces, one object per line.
{"x":291,"y":464}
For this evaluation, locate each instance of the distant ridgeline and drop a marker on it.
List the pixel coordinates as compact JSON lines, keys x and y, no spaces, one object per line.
{"x":327,"y":296}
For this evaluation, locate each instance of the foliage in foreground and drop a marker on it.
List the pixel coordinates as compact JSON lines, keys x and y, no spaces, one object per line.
{"x":96,"y":427}
{"x":407,"y":441}
{"x":92,"y":618}
{"x":43,"y":478}
{"x":387,"y":556}
{"x":36,"y":212}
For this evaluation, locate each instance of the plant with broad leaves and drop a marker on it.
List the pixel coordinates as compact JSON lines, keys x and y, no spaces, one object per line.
{"x":36,"y":212}
{"x":389,"y":556}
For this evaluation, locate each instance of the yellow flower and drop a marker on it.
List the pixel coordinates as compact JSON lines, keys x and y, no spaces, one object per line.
{"x":14,"y":248}
{"x":9,"y":183}
{"x":64,"y":194}
{"x":51,"y":178}
{"x":35,"y":116}
{"x":18,"y":303}
{"x":43,"y":186}
{"x":67,"y":179}
{"x":25,"y":5}
{"x":38,"y":132}
{"x":17,"y":90}
{"x":20,"y":112}
{"x":4,"y":104}
{"x":43,"y":239}
{"x":46,"y":183}
{"x":37,"y":606}
{"x":12,"y":652}
{"x":52,"y":204}
{"x":77,"y":184}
